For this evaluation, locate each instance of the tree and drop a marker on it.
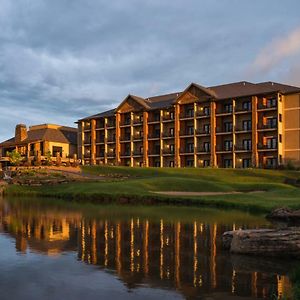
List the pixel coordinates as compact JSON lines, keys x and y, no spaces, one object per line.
{"x":15,"y":157}
{"x":48,"y":160}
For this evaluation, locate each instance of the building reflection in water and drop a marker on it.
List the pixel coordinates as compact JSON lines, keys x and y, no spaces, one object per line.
{"x":187,"y":257}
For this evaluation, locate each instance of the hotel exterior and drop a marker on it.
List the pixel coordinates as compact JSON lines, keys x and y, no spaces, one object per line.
{"x":236,"y":125}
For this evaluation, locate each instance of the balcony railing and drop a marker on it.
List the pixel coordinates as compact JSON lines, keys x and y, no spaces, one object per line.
{"x":266,"y":106}
{"x":267,"y":126}
{"x":168,"y":151}
{"x":138,"y":153}
{"x":243,"y":109}
{"x":242,"y":148}
{"x":111,"y":125}
{"x":203,"y":114}
{"x":202,"y":131}
{"x":125,"y":138}
{"x":187,"y":133}
{"x":267,"y":147}
{"x":243,"y":129}
{"x":154,"y":136}
{"x":111,"y":140}
{"x":187,"y":150}
{"x":203,"y":150}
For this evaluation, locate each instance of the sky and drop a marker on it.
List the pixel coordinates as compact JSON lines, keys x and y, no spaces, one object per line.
{"x":62,"y":60}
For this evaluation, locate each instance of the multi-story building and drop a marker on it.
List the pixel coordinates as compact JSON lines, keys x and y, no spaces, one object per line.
{"x":236,"y":125}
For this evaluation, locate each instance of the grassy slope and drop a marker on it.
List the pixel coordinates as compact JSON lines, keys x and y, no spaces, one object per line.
{"x":142,"y":181}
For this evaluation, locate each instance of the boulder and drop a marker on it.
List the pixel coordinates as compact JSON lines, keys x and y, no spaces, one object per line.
{"x":264,"y":242}
{"x":284,"y":214}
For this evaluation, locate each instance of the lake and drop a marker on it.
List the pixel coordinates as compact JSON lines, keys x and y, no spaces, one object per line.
{"x":52,"y":249}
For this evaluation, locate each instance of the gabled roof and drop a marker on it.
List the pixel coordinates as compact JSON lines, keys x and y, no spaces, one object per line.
{"x":47,"y":134}
{"x":139,"y":100}
{"x":209,"y":92}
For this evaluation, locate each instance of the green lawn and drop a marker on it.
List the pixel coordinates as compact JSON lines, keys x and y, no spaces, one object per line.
{"x":141,"y":182}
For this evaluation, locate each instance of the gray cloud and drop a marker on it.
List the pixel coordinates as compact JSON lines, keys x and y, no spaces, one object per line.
{"x":61,"y":60}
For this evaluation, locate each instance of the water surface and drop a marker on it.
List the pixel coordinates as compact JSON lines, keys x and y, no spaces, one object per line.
{"x":58,"y":250}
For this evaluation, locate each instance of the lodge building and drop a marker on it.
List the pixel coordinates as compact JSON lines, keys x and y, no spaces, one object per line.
{"x":236,"y":125}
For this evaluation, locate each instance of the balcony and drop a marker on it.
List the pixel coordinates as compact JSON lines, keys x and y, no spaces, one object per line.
{"x":187,"y":133}
{"x":224,"y":112}
{"x":187,"y":151}
{"x":137,"y":138}
{"x":87,"y":141}
{"x":138,"y":122}
{"x":267,"y":147}
{"x":243,"y":109}
{"x":223,"y":149}
{"x":243,"y":129}
{"x":267,"y":127}
{"x":87,"y":127}
{"x":266,"y":107}
{"x":138,"y":153}
{"x":222,"y":131}
{"x":167,"y":135}
{"x":203,"y":150}
{"x":125,"y":138}
{"x":101,"y":154}
{"x":111,"y":140}
{"x":100,"y":140}
{"x":203,"y":114}
{"x":203,"y":132}
{"x":154,"y":153}
{"x":187,"y":116}
{"x":125,"y":123}
{"x":126,"y":153}
{"x":154,"y":136}
{"x":110,"y":125}
{"x":168,"y":152}
{"x":242,"y":148}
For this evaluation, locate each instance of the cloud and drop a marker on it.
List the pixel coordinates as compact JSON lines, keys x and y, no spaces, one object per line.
{"x":278,"y":51}
{"x":61,"y":60}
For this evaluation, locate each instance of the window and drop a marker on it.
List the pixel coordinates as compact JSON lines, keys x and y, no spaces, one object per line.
{"x":141,"y":164}
{"x":157,"y":164}
{"x":172,"y":148}
{"x":247,"y":125}
{"x":272,"y":122}
{"x":228,"y":126}
{"x":227,"y":163}
{"x":206,"y":111}
{"x":206,"y":146}
{"x":271,"y":162}
{"x":228,"y":108}
{"x":141,"y":149}
{"x":157,"y":132}
{"x":57,"y":151}
{"x":206,"y":128}
{"x":272,"y":143}
{"x":280,"y":118}
{"x":190,"y":163}
{"x":246,"y":163}
{"x":157,"y":149}
{"x":247,"y":144}
{"x":272,"y":102}
{"x":246,"y":105}
{"x":172,"y":115}
{"x":206,"y":163}
{"x":228,"y":145}
{"x":171,"y":164}
{"x":156,"y":117}
{"x":190,"y":147}
{"x":171,"y":131}
{"x":190,"y":130}
{"x":280,"y":138}
{"x":190,"y":112}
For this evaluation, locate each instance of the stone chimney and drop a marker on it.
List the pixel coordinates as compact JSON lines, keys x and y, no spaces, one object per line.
{"x":20,"y":133}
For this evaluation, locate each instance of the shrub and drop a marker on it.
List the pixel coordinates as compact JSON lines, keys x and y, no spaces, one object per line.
{"x":15,"y":157}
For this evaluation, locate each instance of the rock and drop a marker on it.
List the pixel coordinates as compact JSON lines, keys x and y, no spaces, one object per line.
{"x":284,"y":214}
{"x":264,"y":242}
